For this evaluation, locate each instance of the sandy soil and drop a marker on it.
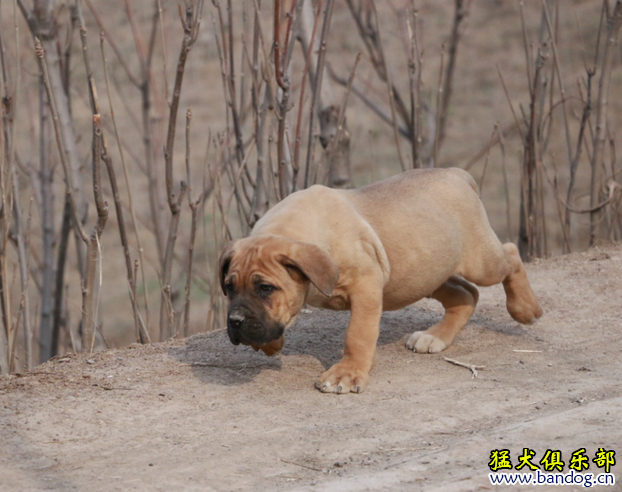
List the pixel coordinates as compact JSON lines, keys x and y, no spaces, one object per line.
{"x":201,"y":414}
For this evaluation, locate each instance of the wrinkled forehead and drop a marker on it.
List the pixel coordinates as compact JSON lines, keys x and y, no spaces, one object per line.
{"x":253,"y":263}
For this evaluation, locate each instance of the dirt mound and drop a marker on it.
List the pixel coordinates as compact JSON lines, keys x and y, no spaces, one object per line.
{"x":202,"y":414}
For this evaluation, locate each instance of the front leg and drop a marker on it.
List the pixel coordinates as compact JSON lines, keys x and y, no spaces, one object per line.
{"x":351,"y":374}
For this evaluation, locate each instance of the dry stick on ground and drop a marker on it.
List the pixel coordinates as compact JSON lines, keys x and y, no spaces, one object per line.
{"x":471,"y":367}
{"x":317,"y":88}
{"x":613,"y":27}
{"x":190,"y":25}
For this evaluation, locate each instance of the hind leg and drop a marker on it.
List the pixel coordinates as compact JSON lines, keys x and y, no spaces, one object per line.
{"x":496,"y":263}
{"x":522,"y":303}
{"x":459,"y":299}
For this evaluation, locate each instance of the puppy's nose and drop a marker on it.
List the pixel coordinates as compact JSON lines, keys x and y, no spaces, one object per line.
{"x":236,"y":319}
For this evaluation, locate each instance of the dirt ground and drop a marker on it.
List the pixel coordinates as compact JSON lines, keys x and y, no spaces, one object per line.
{"x":202,"y":414}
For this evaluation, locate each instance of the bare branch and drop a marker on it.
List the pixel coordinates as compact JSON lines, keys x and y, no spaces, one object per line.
{"x":60,"y":141}
{"x":305,"y":72}
{"x":613,"y":27}
{"x":89,"y":320}
{"x":460,"y":14}
{"x":318,"y":86}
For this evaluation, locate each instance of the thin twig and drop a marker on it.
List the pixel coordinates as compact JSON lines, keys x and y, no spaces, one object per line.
{"x":614,"y":22}
{"x":319,"y":72}
{"x":439,"y":93}
{"x":92,"y":250}
{"x":481,"y":182}
{"x":112,"y":43}
{"x":403,"y":131}
{"x":342,"y":110}
{"x":460,"y":14}
{"x":131,"y":277}
{"x":301,"y":465}
{"x":470,"y":367}
{"x":193,"y":227}
{"x":190,"y":24}
{"x":60,"y":142}
{"x":295,"y":166}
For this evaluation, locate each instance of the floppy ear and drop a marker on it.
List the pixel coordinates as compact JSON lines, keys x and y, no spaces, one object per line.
{"x":223,"y":264}
{"x":315,"y":264}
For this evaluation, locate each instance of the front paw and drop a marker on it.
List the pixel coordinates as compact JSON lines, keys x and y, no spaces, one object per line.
{"x":344,"y":377}
{"x":424,"y":343}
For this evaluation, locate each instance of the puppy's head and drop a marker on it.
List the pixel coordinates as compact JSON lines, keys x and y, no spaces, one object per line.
{"x":266,"y":279}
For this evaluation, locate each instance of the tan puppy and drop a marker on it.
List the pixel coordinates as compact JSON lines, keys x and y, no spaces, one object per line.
{"x":423,"y":233}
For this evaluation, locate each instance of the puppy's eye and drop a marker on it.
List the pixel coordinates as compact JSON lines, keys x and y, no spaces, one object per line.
{"x":264,"y":290}
{"x":230,"y":288}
